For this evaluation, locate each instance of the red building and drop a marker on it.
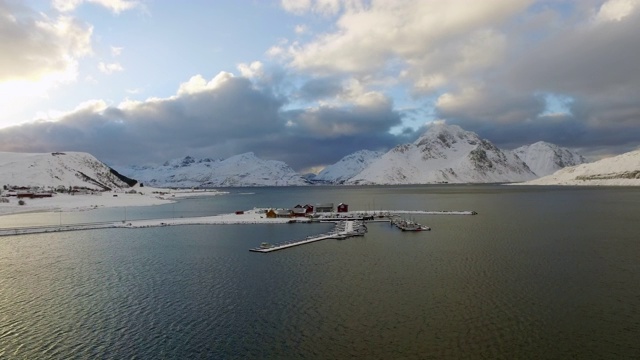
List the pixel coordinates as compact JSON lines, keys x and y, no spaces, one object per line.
{"x":343,"y":207}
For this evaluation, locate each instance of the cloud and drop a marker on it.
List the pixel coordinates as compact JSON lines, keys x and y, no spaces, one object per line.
{"x":39,"y":46}
{"x":324,"y":7}
{"x":116,"y":51}
{"x":116,"y":6}
{"x":253,"y":70}
{"x":320,"y":88}
{"x":488,"y":64}
{"x":296,"y":6}
{"x":367,"y":40}
{"x":301,"y":29}
{"x":488,"y":105}
{"x":616,"y":10}
{"x":109,"y":68}
{"x":220,"y":117}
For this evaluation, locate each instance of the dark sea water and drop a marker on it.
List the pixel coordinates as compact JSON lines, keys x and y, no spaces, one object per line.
{"x":540,"y":272}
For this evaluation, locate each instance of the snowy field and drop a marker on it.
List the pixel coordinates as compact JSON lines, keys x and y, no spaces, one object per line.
{"x":65,"y":202}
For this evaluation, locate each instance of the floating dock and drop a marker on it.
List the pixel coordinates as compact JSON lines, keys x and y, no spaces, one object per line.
{"x":343,"y":230}
{"x":408,"y":225}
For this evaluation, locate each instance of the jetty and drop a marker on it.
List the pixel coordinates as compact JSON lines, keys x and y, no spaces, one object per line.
{"x":408,"y":225}
{"x":343,"y":229}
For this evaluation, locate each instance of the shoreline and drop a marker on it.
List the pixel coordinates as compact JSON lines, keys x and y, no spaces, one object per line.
{"x":254,"y":216}
{"x":143,"y":196}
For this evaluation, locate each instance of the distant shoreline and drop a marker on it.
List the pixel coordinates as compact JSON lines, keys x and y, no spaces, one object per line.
{"x":72,"y":203}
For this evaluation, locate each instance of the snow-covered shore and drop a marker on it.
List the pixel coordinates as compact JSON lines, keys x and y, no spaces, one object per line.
{"x":255,"y":216}
{"x":144,"y":196}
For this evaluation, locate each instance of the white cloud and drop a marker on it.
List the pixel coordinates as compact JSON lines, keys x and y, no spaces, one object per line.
{"x":301,"y":29}
{"x":116,"y":6}
{"x":296,"y":6}
{"x":109,"y":68}
{"x":253,"y":70}
{"x":197,"y":83}
{"x":116,"y":51}
{"x":367,"y":40}
{"x":39,"y":53}
{"x":39,"y":45}
{"x":324,"y":7}
{"x":616,"y":10}
{"x":66,"y":5}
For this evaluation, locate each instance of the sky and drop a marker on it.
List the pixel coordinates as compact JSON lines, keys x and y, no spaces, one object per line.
{"x":310,"y":81}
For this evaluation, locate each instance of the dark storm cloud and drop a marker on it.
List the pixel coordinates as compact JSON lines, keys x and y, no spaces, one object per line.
{"x":591,"y":62}
{"x":230,"y":118}
{"x":489,"y":105}
{"x":587,"y":60}
{"x":320,"y":88}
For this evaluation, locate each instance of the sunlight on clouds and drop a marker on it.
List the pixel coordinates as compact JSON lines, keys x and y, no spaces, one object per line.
{"x":616,"y":10}
{"x":450,"y":101}
{"x":356,"y":93}
{"x":323,"y":7}
{"x":253,"y":70}
{"x":296,"y":6}
{"x":198,"y":84}
{"x":42,"y":46}
{"x":89,"y":106}
{"x":411,"y":32}
{"x":44,"y":55}
{"x":117,"y":6}
{"x":17,"y":95}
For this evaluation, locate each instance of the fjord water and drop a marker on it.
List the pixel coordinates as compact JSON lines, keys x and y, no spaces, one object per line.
{"x":540,"y":272}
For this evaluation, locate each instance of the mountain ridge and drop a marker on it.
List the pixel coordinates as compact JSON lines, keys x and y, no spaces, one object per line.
{"x":544,"y":158}
{"x":445,"y":154}
{"x":239,"y":170}
{"x":620,"y":170}
{"x":56,"y":169}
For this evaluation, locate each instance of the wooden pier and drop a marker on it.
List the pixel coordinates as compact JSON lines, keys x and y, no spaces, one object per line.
{"x":343,"y":230}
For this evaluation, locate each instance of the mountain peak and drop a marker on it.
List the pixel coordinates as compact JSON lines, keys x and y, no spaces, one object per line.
{"x":446,"y":135}
{"x":445,"y":153}
{"x":239,"y":170}
{"x":59,"y":169}
{"x":348,"y":166}
{"x":546,"y":158}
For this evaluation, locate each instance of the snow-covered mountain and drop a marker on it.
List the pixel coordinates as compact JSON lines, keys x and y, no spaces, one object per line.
{"x":445,"y":153}
{"x":240,"y":170}
{"x":544,"y":158}
{"x":51,"y":170}
{"x":619,"y":170}
{"x":348,"y":166}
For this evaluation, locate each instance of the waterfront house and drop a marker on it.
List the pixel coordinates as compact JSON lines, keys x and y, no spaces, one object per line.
{"x":283,"y":213}
{"x":299,"y":212}
{"x":342,"y":207}
{"x":324,"y":208}
{"x":271,"y":214}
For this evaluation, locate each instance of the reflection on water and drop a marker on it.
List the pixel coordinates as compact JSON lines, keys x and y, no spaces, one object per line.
{"x":548,"y":273}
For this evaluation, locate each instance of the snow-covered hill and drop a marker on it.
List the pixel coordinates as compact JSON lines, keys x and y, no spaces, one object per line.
{"x":51,"y":170}
{"x":348,"y":166}
{"x":445,"y":153}
{"x":544,"y":158}
{"x":621,"y":170}
{"x":240,"y":170}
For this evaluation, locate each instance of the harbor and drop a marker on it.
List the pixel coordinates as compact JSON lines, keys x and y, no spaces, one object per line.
{"x":343,"y":229}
